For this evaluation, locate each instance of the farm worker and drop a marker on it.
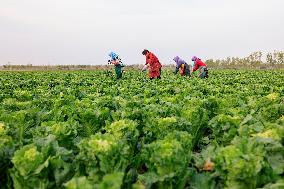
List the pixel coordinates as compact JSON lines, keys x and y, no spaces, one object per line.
{"x":153,"y":63}
{"x":116,"y":61}
{"x":198,"y":64}
{"x":182,"y":67}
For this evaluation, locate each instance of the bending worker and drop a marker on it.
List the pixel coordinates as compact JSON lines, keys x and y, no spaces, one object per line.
{"x":154,"y":65}
{"x":182,"y":67}
{"x":116,"y":61}
{"x":198,"y":64}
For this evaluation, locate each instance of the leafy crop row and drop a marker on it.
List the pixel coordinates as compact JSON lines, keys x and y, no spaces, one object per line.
{"x":87,"y":130}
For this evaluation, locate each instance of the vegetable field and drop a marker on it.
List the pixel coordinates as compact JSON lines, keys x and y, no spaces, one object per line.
{"x":86,"y":130}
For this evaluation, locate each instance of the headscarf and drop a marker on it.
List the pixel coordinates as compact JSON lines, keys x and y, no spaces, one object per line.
{"x":176,"y":59}
{"x":113,"y":55}
{"x":194,"y":58}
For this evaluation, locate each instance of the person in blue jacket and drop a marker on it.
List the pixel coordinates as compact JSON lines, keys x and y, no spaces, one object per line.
{"x":118,"y":65}
{"x":182,"y":67}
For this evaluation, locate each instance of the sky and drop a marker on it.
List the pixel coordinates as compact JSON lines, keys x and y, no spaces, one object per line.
{"x":52,"y":32}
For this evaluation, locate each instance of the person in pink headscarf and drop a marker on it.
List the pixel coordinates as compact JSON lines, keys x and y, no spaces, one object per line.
{"x":201,"y":66}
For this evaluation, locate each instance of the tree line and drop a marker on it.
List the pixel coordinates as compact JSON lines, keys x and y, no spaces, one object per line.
{"x":254,"y":60}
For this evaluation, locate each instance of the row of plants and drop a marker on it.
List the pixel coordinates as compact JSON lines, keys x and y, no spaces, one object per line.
{"x":85,"y":129}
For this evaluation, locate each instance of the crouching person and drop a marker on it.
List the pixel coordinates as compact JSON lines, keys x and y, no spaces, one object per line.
{"x":201,"y":66}
{"x":182,"y":67}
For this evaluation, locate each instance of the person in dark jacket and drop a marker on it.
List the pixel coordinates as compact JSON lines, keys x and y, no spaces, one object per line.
{"x":182,"y":67}
{"x":201,"y":66}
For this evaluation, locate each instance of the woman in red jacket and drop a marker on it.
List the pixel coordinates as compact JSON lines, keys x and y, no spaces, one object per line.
{"x":198,"y":64}
{"x":154,"y":65}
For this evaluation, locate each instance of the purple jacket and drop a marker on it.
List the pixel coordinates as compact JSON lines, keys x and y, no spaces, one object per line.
{"x":179,"y":62}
